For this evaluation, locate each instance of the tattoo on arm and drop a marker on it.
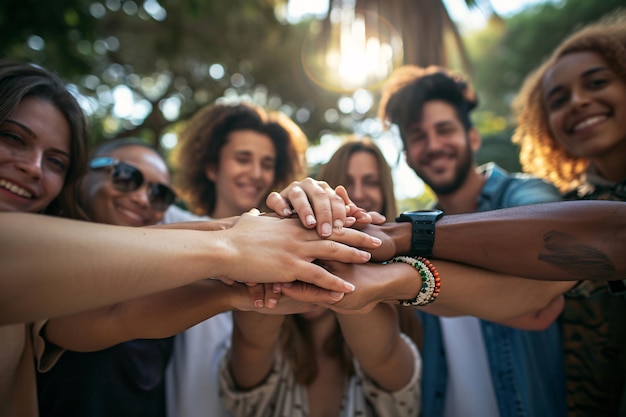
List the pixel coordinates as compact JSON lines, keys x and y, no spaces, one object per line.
{"x":580,"y":260}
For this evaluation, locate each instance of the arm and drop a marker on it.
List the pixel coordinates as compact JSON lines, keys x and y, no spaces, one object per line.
{"x":160,"y":315}
{"x":375,"y":341}
{"x":254,"y":339}
{"x":78,"y":266}
{"x":465,"y":290}
{"x":569,"y":240}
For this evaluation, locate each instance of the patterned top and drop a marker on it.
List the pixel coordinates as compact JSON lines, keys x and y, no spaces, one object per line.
{"x":280,"y":396}
{"x":594,"y":329}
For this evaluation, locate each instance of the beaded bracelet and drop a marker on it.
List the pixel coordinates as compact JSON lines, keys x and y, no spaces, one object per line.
{"x":431,"y":283}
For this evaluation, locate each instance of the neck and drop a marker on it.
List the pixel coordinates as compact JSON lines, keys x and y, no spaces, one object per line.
{"x":465,"y":198}
{"x":612,"y":166}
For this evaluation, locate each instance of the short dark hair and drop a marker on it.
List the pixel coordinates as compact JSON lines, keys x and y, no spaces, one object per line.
{"x":410,"y":87}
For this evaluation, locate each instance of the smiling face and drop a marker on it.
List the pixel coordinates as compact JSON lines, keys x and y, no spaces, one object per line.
{"x":586,"y":106}
{"x":34,"y":156}
{"x":104,"y":204}
{"x":245,"y":172}
{"x":363,"y":181}
{"x":439,"y":149}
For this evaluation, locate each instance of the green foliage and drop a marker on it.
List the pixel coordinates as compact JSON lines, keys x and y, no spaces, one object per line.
{"x":503,"y":55}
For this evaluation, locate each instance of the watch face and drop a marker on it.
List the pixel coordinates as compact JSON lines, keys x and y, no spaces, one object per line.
{"x":430,"y":214}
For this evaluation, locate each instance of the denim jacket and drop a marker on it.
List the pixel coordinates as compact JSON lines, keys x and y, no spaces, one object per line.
{"x":526,"y":367}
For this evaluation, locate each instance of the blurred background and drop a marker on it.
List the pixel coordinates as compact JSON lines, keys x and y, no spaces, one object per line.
{"x":142,"y":67}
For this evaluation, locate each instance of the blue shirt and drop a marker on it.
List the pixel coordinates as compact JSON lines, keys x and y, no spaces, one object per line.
{"x":526,"y":367}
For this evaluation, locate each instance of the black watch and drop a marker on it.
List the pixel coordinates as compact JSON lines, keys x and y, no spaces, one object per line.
{"x":423,"y":232}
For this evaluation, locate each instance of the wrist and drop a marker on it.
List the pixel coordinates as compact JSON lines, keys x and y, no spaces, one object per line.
{"x":422,"y":231}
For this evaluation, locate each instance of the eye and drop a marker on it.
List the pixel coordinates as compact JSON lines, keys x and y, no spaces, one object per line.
{"x":556,"y":101}
{"x":597,"y":83}
{"x":58,"y":164}
{"x":11,"y":137}
{"x":268,"y":165}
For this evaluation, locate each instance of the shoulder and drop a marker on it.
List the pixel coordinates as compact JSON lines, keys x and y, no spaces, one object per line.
{"x":516,"y":189}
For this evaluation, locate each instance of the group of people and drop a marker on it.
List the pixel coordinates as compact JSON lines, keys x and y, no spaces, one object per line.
{"x":501,"y":300}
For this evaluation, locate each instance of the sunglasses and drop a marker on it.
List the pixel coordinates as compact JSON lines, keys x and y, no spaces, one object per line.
{"x":127,"y":178}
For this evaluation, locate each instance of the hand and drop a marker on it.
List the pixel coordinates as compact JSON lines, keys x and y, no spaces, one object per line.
{"x":270,"y":249}
{"x":317,"y":204}
{"x":371,"y":287}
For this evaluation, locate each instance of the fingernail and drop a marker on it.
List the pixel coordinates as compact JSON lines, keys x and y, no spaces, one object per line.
{"x":310,"y":220}
{"x":338,"y":224}
{"x":377,"y":241}
{"x":287,"y":212}
{"x":335,"y":295}
{"x":349,"y":287}
{"x":326,"y":230}
{"x":258,"y":303}
{"x":272,"y":302}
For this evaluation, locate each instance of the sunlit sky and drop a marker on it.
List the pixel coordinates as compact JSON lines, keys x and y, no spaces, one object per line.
{"x":457,"y":9}
{"x":407,"y":185}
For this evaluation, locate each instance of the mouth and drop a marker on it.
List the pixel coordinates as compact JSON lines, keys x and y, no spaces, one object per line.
{"x":15,"y":189}
{"x":589,"y":122}
{"x":131,"y":215}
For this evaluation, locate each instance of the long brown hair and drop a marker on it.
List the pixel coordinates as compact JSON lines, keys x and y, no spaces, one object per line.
{"x":334,"y":171}
{"x":296,"y":339}
{"x":21,"y":80}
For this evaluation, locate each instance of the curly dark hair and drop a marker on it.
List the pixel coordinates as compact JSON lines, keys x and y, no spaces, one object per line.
{"x":540,"y":153}
{"x":20,"y":80}
{"x":410,"y":87}
{"x":207,"y":132}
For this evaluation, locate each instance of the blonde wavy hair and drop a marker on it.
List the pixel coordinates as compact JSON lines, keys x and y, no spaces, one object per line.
{"x":540,"y":153}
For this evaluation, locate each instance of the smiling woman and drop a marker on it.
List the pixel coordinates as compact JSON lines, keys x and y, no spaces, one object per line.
{"x":571,"y":114}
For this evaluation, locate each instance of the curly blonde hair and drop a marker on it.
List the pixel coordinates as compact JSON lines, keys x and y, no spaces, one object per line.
{"x":540,"y":153}
{"x":207,"y":132}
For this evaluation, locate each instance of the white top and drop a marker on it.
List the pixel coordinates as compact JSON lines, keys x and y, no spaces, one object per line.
{"x":469,"y":391}
{"x":191,"y":382}
{"x":280,"y":395}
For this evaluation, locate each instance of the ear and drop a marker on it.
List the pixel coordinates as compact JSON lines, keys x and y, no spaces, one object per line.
{"x":211,"y":172}
{"x":474,"y":139}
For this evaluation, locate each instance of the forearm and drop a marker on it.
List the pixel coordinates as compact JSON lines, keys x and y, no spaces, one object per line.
{"x":567,"y":240}
{"x":202,"y":225}
{"x":254,"y":340}
{"x":152,"y":317}
{"x":489,"y":295}
{"x":570,"y":240}
{"x":53,"y":267}
{"x":375,"y":340}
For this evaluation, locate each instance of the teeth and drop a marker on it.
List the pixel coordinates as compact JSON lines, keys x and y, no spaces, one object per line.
{"x":15,"y":189}
{"x":588,"y":122}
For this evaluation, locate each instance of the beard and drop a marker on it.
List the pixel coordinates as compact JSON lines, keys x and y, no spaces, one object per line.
{"x":460,"y":174}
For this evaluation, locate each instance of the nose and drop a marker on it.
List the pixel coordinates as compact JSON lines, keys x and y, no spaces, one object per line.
{"x":140,"y":196}
{"x":356,"y":191}
{"x":433,"y":143}
{"x":579,"y":97}
{"x":256,"y":170}
{"x":31,"y":164}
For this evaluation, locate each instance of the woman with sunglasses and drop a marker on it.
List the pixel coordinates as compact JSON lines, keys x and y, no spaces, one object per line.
{"x":127,"y":184}
{"x":53,"y":267}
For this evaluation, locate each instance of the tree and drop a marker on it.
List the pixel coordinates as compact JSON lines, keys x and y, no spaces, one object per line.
{"x":169,"y":57}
